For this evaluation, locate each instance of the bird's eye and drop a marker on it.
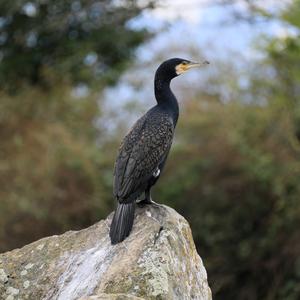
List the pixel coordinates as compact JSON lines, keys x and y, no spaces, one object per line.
{"x":184,"y":62}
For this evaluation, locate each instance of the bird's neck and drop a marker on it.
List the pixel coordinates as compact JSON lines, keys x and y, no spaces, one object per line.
{"x":165,"y":98}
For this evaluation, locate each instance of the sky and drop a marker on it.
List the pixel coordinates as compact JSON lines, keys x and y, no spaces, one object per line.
{"x":207,"y":23}
{"x":195,"y":30}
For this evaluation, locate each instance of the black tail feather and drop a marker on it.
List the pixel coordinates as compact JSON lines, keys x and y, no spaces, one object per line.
{"x":122,"y":222}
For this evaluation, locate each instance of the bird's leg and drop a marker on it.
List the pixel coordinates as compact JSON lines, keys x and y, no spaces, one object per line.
{"x":148,"y":199}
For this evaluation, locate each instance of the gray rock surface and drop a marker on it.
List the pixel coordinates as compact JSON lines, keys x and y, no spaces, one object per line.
{"x":157,"y":261}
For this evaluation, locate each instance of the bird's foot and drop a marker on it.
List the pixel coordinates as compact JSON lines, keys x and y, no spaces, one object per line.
{"x":143,"y":202}
{"x":148,"y":201}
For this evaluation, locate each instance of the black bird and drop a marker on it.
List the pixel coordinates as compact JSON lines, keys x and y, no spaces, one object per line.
{"x":144,"y":150}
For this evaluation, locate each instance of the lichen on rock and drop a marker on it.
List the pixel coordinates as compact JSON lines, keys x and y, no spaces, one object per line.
{"x":157,"y":261}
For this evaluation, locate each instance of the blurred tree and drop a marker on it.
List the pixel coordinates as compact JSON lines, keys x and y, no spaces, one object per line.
{"x":55,"y":58}
{"x":284,"y":62}
{"x":83,"y":41}
{"x":238,"y":185}
{"x":52,"y":174}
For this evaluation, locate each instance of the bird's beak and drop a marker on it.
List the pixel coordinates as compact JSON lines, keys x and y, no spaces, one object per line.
{"x":197,"y":64}
{"x":182,"y":68}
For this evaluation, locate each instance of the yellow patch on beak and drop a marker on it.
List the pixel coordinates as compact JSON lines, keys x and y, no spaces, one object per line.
{"x":183,"y":67}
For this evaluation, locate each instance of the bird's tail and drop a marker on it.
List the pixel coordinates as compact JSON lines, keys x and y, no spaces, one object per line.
{"x":122,"y":222}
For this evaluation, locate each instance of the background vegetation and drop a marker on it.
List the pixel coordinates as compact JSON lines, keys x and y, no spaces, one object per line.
{"x":234,"y":171}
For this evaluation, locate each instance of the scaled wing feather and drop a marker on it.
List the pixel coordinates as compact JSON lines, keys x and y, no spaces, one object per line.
{"x":143,"y":149}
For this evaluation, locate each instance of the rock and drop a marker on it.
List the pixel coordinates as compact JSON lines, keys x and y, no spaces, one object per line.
{"x":112,"y":297}
{"x":157,"y":261}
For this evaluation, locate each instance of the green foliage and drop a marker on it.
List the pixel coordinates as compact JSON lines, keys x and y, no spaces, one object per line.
{"x":53,"y":176}
{"x":82,"y":41}
{"x":283,"y":63}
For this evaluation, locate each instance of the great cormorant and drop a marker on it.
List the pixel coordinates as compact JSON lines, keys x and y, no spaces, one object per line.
{"x":144,"y":150}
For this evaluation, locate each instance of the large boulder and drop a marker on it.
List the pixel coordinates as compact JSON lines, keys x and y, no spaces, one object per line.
{"x":157,"y":261}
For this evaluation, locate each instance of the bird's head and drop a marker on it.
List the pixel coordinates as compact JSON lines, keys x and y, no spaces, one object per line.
{"x":177,"y":66}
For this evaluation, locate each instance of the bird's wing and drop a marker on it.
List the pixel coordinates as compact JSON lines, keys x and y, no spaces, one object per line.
{"x":142,"y":150}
